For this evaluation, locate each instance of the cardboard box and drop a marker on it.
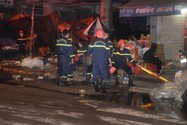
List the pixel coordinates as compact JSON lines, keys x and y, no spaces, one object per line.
{"x":160,"y":48}
{"x":161,"y":56}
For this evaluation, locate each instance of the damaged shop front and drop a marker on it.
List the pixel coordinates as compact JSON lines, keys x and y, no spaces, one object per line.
{"x":166,"y":21}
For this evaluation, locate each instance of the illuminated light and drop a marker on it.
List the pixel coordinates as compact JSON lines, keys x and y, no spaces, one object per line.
{"x":183,"y":60}
{"x":184,"y":11}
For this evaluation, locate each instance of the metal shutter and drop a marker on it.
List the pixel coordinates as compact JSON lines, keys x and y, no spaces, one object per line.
{"x":171,"y":35}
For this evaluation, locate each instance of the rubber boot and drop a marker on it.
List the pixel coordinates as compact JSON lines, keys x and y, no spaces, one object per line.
{"x":104,"y":86}
{"x":88,"y":77}
{"x":64,"y":82}
{"x":116,"y":80}
{"x":131,"y":81}
{"x":95,"y":84}
{"x":59,"y":80}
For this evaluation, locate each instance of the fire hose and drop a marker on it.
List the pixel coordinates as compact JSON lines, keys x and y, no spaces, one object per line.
{"x":153,"y":74}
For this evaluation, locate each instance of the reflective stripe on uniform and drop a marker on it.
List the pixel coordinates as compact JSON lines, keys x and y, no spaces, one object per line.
{"x":81,"y":51}
{"x":64,"y":77}
{"x":70,"y":75}
{"x":132,"y":60}
{"x":99,"y":42}
{"x":125,"y":54}
{"x":63,"y":40}
{"x":99,"y":46}
{"x":58,"y":44}
{"x":72,"y":55}
{"x":21,"y":39}
{"x":70,"y":39}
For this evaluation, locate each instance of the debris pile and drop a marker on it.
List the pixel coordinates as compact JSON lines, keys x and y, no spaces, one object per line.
{"x":169,"y":97}
{"x":32,"y":62}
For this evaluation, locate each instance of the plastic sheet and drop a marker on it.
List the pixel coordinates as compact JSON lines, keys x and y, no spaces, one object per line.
{"x":32,"y":62}
{"x":168,"y":97}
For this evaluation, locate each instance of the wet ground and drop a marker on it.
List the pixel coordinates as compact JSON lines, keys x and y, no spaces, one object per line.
{"x":122,"y":95}
{"x":29,"y":105}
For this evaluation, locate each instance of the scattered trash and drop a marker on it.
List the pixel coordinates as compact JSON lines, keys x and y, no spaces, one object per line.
{"x":32,"y":62}
{"x":27,"y":79}
{"x":168,"y":97}
{"x":47,"y":66}
{"x":82,"y":92}
{"x":40,"y":77}
{"x":178,"y":74}
{"x":18,"y":63}
{"x":16,"y":76}
{"x":50,"y":75}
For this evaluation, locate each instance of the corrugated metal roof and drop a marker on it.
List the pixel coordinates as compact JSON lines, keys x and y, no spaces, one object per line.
{"x":141,"y":3}
{"x":72,"y":2}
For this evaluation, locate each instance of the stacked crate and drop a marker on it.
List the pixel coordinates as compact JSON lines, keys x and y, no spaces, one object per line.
{"x":160,"y":52}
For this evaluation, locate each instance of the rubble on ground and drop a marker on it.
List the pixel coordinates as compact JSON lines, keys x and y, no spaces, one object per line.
{"x":169,"y":95}
{"x":33,"y":67}
{"x":32,"y":62}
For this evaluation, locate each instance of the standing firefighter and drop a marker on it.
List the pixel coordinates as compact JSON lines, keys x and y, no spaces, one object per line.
{"x":22,"y":44}
{"x":121,"y":57}
{"x":81,"y":52}
{"x":109,"y":42}
{"x":100,"y":51}
{"x":64,"y":51}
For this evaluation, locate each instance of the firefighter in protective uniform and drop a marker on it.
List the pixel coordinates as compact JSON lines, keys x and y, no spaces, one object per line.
{"x":100,"y":51}
{"x":81,"y":51}
{"x":22,"y":43}
{"x":64,"y":51}
{"x":111,"y":50}
{"x":120,"y":60}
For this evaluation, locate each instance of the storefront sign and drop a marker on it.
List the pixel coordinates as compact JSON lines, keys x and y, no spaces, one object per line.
{"x":151,"y":10}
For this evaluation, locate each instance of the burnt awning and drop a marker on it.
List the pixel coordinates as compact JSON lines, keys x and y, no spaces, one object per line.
{"x":151,"y":7}
{"x":68,"y":2}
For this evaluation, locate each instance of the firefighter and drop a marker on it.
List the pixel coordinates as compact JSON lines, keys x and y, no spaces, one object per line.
{"x":81,"y":52}
{"x":121,"y":58}
{"x":71,"y":66}
{"x":111,"y":50}
{"x":100,"y":51}
{"x":64,"y":51}
{"x":22,"y":43}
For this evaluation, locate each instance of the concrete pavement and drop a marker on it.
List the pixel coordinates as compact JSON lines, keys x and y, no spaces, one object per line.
{"x":36,"y":77}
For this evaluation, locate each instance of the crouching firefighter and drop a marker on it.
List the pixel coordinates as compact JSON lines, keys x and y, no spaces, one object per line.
{"x":64,"y":51}
{"x":100,"y":51}
{"x":120,"y":60}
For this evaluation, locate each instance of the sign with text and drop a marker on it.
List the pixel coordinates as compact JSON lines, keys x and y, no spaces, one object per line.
{"x":151,"y":10}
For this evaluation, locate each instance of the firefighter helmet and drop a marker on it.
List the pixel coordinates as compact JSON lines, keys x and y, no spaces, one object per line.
{"x":21,"y":32}
{"x":61,"y":27}
{"x":100,"y":33}
{"x":120,"y":42}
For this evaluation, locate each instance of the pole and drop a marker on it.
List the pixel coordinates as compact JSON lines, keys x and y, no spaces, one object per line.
{"x":32,"y":32}
{"x":106,"y":12}
{"x":185,"y":33}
